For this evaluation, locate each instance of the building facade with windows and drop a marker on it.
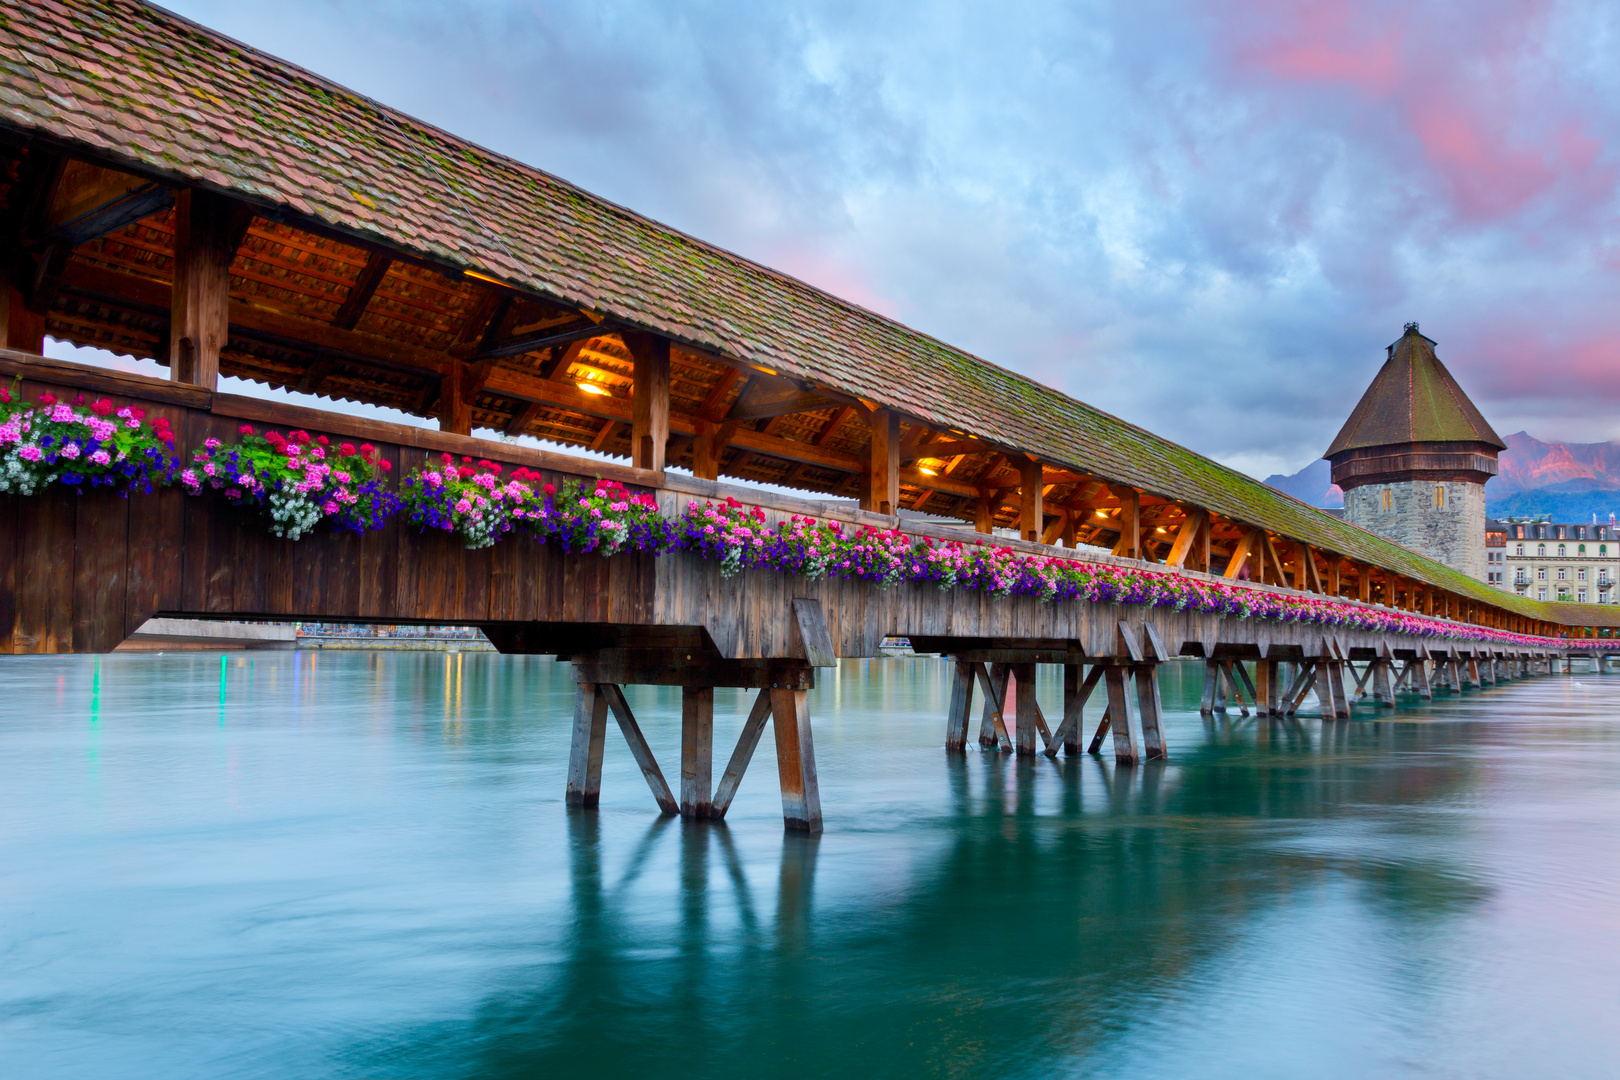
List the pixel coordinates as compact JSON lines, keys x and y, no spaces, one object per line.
{"x":1548,"y":560}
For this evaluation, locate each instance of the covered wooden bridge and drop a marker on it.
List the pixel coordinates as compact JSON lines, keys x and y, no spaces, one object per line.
{"x":170,"y":194}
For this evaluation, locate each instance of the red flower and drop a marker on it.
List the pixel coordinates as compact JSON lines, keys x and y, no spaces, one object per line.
{"x":551,"y":489}
{"x":385,"y":465}
{"x":102,"y":408}
{"x":137,"y":413}
{"x":322,"y":440}
{"x":495,"y":468}
{"x":366,"y":450}
{"x":482,"y":463}
{"x":245,"y":429}
{"x":5,"y":397}
{"x":79,"y":400}
{"x":347,"y":449}
{"x":47,"y":398}
{"x":301,"y":436}
{"x":466,"y":471}
{"x":447,"y":458}
{"x":466,"y":459}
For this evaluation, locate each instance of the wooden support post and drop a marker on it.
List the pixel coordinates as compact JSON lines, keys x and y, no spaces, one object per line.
{"x":708,"y":448}
{"x":1212,"y":674}
{"x":1102,"y":730}
{"x":1031,"y":508}
{"x":1265,"y":675}
{"x":1383,"y":685}
{"x":1248,"y":684}
{"x":1075,"y":695}
{"x":1303,"y":684}
{"x":753,"y":728}
{"x":984,"y":514}
{"x":585,"y":755}
{"x":1183,"y":549}
{"x":1420,"y":673}
{"x":207,"y":230}
{"x":1150,"y":709}
{"x":639,"y":748}
{"x":882,"y":494}
{"x":1120,"y":711}
{"x":697,"y":750}
{"x":1073,"y":708}
{"x":456,"y":395}
{"x":1130,"y":528}
{"x":992,"y":727}
{"x":1022,"y":676}
{"x":649,"y":400}
{"x":20,"y":328}
{"x":956,"y":721}
{"x":796,"y":760}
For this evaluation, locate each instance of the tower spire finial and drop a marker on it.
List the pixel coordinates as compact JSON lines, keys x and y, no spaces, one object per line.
{"x":1412,"y":327}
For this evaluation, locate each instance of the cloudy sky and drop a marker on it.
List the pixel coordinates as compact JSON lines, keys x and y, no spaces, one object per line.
{"x":1208,"y":218}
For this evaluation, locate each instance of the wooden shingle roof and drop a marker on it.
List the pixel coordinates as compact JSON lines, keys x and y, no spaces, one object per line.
{"x":1413,"y":399}
{"x":148,"y":91}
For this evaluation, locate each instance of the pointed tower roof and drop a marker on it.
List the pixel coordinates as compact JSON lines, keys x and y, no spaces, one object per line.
{"x":1414,"y":399}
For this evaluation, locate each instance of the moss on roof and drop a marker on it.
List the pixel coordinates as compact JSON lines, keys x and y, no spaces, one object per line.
{"x":136,"y":84}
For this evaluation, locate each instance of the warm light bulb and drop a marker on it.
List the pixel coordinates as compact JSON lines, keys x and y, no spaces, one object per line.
{"x":1102,"y":513}
{"x":926,"y":471}
{"x":1159,"y":529}
{"x":592,"y":388}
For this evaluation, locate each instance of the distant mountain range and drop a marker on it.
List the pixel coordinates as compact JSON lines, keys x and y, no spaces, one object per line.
{"x":1565,"y":481}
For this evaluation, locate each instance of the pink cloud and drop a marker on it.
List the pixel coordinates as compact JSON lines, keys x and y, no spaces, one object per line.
{"x":831,"y":274}
{"x":1461,"y":94}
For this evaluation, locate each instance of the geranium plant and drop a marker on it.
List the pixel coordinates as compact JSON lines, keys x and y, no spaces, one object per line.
{"x":472,"y":500}
{"x":607,"y":518}
{"x":299,"y":481}
{"x":95,"y":445}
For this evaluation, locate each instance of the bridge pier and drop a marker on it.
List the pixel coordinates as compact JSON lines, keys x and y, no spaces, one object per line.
{"x":783,"y":699}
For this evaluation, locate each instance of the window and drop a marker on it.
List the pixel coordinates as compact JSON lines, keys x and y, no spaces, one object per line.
{"x":1560,"y":551}
{"x":1603,"y":549}
{"x":1581,"y":550}
{"x":1581,"y":574}
{"x":1563,"y":573}
{"x":1580,"y":594}
{"x":1541,"y":593}
{"x":1519,"y":548}
{"x":1388,"y":499}
{"x":1541,"y":549}
{"x":1541,"y":573}
{"x":1439,"y":497}
{"x":1520,"y":578}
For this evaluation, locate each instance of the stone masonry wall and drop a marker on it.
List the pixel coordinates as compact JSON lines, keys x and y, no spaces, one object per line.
{"x":1452,"y":534}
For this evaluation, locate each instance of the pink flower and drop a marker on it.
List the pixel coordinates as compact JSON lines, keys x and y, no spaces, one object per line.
{"x":329,"y":507}
{"x":317,"y":453}
{"x":341,"y":477}
{"x":462,"y":506}
{"x":100,"y":457}
{"x":209,"y":469}
{"x":31,"y":453}
{"x":70,"y":451}
{"x":63,"y":414}
{"x":212,"y":444}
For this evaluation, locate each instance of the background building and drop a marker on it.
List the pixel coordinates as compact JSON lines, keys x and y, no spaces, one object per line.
{"x":1547,"y":560}
{"x":1414,"y":456}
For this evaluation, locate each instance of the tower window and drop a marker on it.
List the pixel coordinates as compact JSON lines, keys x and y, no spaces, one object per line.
{"x":1439,"y":497}
{"x":1388,"y":499}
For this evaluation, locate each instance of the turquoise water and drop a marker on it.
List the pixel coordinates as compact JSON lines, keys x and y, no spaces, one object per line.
{"x":360,"y":865}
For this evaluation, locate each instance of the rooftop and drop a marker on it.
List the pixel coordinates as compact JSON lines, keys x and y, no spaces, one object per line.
{"x":1413,"y":399}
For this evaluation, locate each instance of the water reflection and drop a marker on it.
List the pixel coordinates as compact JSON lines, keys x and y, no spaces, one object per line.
{"x":362,"y":866}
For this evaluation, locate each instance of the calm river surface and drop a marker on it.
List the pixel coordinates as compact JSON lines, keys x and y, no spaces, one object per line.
{"x":360,"y":865}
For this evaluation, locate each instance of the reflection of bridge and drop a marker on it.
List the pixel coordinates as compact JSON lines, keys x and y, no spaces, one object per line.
{"x":274,"y":227}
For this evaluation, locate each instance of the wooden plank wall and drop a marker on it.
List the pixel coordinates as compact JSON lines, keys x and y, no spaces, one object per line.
{"x":80,"y":571}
